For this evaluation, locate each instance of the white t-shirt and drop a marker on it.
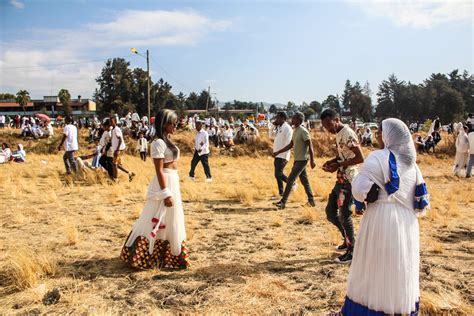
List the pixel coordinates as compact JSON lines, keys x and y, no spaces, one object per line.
{"x":71,"y":138}
{"x":159,"y":149}
{"x":346,"y":139}
{"x":2,"y":119}
{"x":202,"y":137}
{"x":283,"y":136}
{"x":116,"y":136}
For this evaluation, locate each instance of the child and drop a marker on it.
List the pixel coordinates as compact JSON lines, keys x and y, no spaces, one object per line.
{"x":142,"y":146}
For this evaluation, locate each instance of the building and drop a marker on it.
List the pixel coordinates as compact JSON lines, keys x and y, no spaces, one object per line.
{"x":49,"y":105}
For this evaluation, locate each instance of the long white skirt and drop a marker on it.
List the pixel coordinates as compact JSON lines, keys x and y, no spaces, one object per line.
{"x":460,"y":163}
{"x":171,"y":218}
{"x":384,"y":274}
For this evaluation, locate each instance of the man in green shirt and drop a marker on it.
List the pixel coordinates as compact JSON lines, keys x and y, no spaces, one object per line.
{"x":303,"y":151}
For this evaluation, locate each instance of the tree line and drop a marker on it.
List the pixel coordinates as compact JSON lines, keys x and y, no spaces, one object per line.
{"x":447,"y":96}
{"x":121,"y":89}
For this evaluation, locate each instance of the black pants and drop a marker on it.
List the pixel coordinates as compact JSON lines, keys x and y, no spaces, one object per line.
{"x":204,"y":160}
{"x":338,"y":211}
{"x":143,"y":155}
{"x":298,"y":170}
{"x":280,"y":164}
{"x":106,"y":163}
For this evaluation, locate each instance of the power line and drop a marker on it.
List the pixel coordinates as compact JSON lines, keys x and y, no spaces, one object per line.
{"x":65,"y":64}
{"x":170,"y":75}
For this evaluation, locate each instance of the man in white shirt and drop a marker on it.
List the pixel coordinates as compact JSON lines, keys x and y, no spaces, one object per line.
{"x":2,"y":121}
{"x":283,"y":136}
{"x":70,"y":144}
{"x":470,"y":137}
{"x":201,"y":152}
{"x":118,"y":146}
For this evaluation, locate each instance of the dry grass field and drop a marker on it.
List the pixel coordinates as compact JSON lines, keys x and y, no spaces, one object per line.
{"x":246,"y":256}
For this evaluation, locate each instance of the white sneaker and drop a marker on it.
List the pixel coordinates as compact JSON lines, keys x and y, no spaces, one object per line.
{"x":192,"y":178}
{"x":209,"y":180}
{"x":294,"y":187}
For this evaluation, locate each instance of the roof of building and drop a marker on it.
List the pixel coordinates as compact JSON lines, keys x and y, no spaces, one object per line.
{"x":5,"y":104}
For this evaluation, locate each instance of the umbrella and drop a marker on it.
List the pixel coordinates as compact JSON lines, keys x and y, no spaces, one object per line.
{"x":42,"y":117}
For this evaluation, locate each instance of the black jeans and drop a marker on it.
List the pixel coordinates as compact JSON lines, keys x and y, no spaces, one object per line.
{"x":204,"y":160}
{"x":143,"y":155}
{"x":338,"y":211}
{"x":298,"y":170}
{"x":280,"y":164}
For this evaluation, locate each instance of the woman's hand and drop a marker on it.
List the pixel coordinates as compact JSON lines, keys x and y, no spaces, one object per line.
{"x":169,"y":201}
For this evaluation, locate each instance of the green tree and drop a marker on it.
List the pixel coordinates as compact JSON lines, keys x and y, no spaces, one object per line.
{"x":332,"y":102}
{"x":316,"y":106}
{"x":114,"y":94}
{"x":273,"y":109}
{"x":7,"y":96}
{"x":65,"y":99}
{"x":346,"y":96}
{"x":22,"y":98}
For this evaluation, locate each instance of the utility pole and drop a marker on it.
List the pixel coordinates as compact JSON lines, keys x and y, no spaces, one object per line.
{"x":208,"y":96}
{"x":148,"y":84}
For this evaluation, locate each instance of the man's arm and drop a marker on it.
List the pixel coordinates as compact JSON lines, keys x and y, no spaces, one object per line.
{"x":62,"y":141}
{"x":311,"y":153}
{"x":286,"y":148}
{"x":358,"y":159}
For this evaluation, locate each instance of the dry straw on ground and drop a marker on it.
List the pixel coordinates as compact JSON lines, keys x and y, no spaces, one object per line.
{"x":247,"y":257}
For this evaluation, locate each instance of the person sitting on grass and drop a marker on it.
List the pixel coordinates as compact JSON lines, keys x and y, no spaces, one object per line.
{"x":420,"y":144}
{"x":5,"y":153}
{"x":19,"y":155}
{"x":228,"y":137}
{"x":367,"y":137}
{"x":429,"y":143}
{"x":241,"y":137}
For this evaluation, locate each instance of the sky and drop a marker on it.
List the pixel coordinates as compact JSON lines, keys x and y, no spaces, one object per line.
{"x":270,"y":51}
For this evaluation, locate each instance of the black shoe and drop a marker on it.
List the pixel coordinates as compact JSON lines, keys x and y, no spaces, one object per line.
{"x":345,"y":258}
{"x":131,"y":176}
{"x":280,"y":205}
{"x":342,"y":247}
{"x":311,"y":204}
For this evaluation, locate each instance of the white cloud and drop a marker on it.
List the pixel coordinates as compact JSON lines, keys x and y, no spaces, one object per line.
{"x":422,"y":14}
{"x":141,"y":29}
{"x":17,"y":4}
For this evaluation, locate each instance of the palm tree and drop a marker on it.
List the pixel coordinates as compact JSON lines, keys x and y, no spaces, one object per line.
{"x":65,"y":98}
{"x":22,"y":98}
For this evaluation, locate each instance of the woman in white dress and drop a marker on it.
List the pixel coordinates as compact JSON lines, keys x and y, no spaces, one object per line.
{"x":462,"y":150}
{"x":384,"y":275}
{"x":158,"y":237}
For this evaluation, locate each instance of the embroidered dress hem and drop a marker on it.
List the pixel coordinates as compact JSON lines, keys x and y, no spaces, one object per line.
{"x":138,"y":255}
{"x":352,"y":308}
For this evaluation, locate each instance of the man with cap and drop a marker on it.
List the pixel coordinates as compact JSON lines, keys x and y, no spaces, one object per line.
{"x":201,"y":152}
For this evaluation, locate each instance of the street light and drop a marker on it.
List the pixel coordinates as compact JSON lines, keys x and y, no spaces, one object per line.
{"x":134,"y":50}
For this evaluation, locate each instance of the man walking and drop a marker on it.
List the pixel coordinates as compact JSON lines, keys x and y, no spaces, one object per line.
{"x":201,"y":152}
{"x":70,"y":144}
{"x":349,"y":154}
{"x":283,"y":135}
{"x":118,"y":146}
{"x":303,"y":151}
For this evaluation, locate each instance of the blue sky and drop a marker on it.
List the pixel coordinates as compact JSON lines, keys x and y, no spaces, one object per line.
{"x":273,"y":51}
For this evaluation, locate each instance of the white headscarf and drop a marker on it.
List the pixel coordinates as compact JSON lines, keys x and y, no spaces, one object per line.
{"x":397,"y":138}
{"x":390,"y":168}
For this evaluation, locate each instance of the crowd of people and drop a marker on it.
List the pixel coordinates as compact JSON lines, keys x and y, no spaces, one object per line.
{"x":386,"y":187}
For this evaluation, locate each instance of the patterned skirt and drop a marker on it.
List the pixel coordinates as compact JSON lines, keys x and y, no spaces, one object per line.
{"x":138,"y":256}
